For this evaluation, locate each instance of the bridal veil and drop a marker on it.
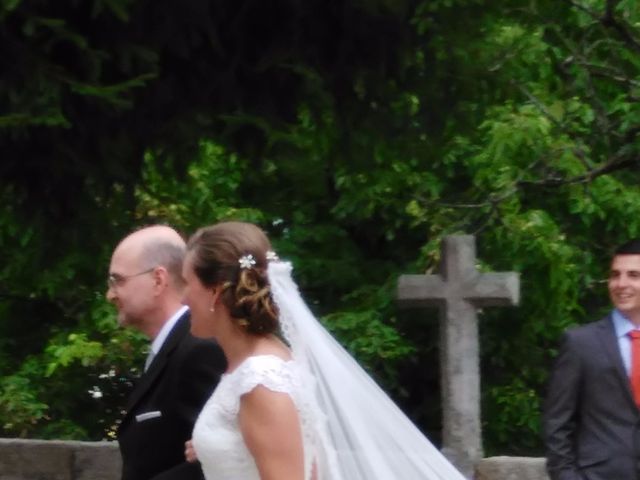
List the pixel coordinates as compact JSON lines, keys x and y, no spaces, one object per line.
{"x":364,"y":435}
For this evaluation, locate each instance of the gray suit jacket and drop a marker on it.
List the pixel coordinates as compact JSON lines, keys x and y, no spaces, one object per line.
{"x":591,"y":422}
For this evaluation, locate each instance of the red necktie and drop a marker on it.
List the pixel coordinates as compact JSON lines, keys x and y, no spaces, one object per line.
{"x":635,"y":364}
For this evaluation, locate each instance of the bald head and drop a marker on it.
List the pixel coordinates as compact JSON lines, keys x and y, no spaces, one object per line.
{"x":154,"y":233}
{"x":157,"y":245}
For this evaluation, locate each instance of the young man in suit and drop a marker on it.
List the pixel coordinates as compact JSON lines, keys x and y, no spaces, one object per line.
{"x":591,"y":418}
{"x":145,"y":285}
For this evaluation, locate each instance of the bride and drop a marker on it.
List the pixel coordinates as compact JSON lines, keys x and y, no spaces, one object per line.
{"x":299,"y":408}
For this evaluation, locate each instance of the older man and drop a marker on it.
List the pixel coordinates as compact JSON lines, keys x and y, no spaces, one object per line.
{"x":181,"y":371}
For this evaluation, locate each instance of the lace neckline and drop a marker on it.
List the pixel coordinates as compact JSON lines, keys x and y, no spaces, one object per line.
{"x":252,"y":358}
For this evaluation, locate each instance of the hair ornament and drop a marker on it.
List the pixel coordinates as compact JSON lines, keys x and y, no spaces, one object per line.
{"x":272,"y":256}
{"x":247,"y":261}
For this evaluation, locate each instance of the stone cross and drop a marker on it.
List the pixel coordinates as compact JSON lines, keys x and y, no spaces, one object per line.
{"x":458,"y":291}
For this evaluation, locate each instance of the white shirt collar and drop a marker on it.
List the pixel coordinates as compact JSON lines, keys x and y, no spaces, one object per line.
{"x":621,"y":324}
{"x":156,"y":345}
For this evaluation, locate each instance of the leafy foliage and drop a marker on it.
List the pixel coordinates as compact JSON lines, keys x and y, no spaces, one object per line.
{"x":357,"y":133}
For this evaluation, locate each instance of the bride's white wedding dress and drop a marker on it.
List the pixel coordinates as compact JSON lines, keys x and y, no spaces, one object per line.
{"x":217,"y":439}
{"x":352,"y":430}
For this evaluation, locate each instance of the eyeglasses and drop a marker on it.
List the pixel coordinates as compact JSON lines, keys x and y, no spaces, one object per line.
{"x":116,"y":280}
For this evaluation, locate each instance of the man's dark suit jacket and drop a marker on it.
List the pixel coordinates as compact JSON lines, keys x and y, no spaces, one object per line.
{"x":177,"y":384}
{"x":591,"y":422}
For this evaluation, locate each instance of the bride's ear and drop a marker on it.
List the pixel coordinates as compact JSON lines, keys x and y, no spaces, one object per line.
{"x":215,"y":294}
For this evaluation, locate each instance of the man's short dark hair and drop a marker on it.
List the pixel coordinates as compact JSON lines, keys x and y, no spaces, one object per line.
{"x":632,"y":247}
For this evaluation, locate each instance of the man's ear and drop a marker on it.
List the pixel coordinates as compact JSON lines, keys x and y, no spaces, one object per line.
{"x":160,"y":278}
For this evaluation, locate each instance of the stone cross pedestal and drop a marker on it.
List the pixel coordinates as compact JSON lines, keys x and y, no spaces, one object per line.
{"x":459,"y":290}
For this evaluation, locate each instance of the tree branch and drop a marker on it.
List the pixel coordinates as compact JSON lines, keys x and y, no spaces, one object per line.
{"x":614,"y":164}
{"x":608,"y":20}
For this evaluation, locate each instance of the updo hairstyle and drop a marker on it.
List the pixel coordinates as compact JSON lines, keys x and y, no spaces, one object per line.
{"x":246,"y":292}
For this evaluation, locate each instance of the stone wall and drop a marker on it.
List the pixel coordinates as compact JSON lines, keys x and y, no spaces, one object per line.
{"x":511,"y":468}
{"x":60,"y":460}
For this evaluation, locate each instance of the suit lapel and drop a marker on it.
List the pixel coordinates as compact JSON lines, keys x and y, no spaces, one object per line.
{"x":178,"y":332}
{"x":607,"y":334}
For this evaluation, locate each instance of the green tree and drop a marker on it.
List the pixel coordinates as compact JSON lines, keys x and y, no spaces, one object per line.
{"x":358,"y":134}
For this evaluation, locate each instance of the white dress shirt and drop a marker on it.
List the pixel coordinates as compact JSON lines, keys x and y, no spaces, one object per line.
{"x":157,"y":343}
